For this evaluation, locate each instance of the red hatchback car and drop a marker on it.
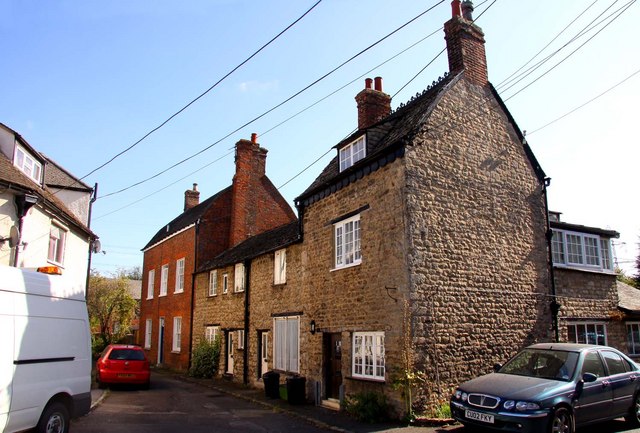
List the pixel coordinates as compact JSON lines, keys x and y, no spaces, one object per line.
{"x":123,"y":364}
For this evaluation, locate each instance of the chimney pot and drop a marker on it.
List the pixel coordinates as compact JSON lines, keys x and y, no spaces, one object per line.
{"x":367,"y":83}
{"x":195,"y":187}
{"x":378,"y":84}
{"x":467,"y":10}
{"x":455,"y":8}
{"x":254,"y":138}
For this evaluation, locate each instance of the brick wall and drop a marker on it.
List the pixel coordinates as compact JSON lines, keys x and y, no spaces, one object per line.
{"x":173,"y":304}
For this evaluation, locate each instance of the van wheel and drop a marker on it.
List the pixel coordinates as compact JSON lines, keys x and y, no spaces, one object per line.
{"x":54,"y":419}
{"x":633,"y":417}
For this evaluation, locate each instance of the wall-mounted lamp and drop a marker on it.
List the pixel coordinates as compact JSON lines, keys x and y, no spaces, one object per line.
{"x":313,"y":327}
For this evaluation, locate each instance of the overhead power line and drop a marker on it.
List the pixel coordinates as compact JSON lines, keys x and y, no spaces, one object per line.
{"x":584,"y":104}
{"x":203,"y":93}
{"x":277,"y":105}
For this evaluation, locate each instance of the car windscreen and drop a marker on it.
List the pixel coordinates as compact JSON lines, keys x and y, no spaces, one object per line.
{"x":126,"y":355}
{"x":544,"y":363}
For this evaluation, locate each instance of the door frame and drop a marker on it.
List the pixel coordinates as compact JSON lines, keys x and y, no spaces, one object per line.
{"x":332,"y":357}
{"x":161,"y":326}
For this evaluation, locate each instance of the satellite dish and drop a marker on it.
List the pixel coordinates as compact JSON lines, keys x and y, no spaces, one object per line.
{"x":14,"y":236}
{"x":96,"y":247}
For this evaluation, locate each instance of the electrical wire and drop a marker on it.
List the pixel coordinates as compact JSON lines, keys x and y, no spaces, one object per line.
{"x":205,"y":92}
{"x":277,"y":105}
{"x":584,"y":104}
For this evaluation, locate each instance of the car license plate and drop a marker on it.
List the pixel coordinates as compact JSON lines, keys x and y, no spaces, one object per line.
{"x":478,"y":416}
{"x":126,"y":375}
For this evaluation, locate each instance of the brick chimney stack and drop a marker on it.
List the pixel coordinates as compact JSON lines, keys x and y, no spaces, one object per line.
{"x":191,"y":197}
{"x":465,"y":44}
{"x":373,"y":104}
{"x":250,"y":169}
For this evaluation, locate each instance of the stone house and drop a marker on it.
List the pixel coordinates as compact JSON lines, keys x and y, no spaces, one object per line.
{"x":421,"y":247}
{"x":593,"y":305}
{"x":249,"y":206}
{"x":44,"y":212}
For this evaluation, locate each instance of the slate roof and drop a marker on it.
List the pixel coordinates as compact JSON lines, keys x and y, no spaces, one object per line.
{"x":255,"y":246}
{"x":56,"y":176}
{"x":387,"y":139}
{"x":184,"y":220}
{"x":584,"y":229}
{"x":13,"y":178}
{"x":628,"y":298}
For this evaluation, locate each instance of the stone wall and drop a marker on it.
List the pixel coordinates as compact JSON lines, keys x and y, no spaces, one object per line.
{"x":477,"y":250}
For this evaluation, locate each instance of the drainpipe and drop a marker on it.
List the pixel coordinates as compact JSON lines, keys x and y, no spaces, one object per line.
{"x":94,"y":197}
{"x":554,"y":305}
{"x":247,"y":287}
{"x":23,"y":204}
{"x":193,"y":290}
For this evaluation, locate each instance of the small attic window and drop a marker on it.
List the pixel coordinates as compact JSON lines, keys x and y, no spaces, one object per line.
{"x":27,"y":164}
{"x":352,"y":153}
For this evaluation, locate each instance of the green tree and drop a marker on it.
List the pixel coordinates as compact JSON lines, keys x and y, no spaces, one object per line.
{"x":111,"y":309}
{"x":622,"y":276}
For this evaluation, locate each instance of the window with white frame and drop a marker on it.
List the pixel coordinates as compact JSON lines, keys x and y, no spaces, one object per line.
{"x":225,"y":283}
{"x":280,"y":267}
{"x":240,"y":339}
{"x":150,"y":283}
{"x":352,"y":153}
{"x":286,"y":344}
{"x":587,"y":333}
{"x":581,"y":250}
{"x":238,"y":278}
{"x":57,"y":241}
{"x":213,"y":283}
{"x":177,"y":334}
{"x":147,"y":334}
{"x":633,"y":338}
{"x":27,"y":164}
{"x":347,"y":242}
{"x":211,"y":333}
{"x":179,"y":276}
{"x":368,"y":355}
{"x":164,"y":279}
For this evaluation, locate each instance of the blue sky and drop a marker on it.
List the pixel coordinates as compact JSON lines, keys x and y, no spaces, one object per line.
{"x":83,"y":80}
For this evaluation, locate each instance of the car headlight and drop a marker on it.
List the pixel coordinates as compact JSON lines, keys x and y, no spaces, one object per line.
{"x":526,"y":405}
{"x":509,"y":404}
{"x":460,"y":395}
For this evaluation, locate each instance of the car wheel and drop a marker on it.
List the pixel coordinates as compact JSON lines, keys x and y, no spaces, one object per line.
{"x":54,"y":419}
{"x":101,"y":384}
{"x":633,"y":417}
{"x":561,"y":421}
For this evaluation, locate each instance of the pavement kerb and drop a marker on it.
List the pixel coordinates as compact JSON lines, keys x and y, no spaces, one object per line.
{"x":278,"y":408}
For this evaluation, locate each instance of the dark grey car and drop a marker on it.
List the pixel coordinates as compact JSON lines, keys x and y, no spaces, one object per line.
{"x":552,"y":387}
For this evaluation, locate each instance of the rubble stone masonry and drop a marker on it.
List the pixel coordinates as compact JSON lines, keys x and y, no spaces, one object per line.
{"x":479,"y":277}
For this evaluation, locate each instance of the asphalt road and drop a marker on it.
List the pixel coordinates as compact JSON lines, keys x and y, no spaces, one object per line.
{"x":173,"y":405}
{"x":176,"y":406}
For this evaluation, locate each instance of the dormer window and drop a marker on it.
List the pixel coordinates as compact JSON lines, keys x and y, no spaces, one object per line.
{"x":582,"y":250}
{"x":27,"y":164}
{"x":352,"y":153}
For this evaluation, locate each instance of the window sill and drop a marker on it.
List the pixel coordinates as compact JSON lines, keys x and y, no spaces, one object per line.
{"x":593,"y":270}
{"x":366,"y":379}
{"x":177,"y":352}
{"x":278,"y":285}
{"x":352,"y":265}
{"x":177,"y":293}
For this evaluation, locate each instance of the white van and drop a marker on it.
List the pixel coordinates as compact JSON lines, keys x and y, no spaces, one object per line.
{"x":45,"y":352}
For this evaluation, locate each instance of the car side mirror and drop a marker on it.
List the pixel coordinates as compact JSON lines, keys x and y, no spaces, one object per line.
{"x":589,"y":377}
{"x":497,"y":367}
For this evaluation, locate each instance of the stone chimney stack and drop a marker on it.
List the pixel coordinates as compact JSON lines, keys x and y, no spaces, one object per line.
{"x":373,"y":103}
{"x":250,"y":169}
{"x":191,"y":197}
{"x":465,"y":44}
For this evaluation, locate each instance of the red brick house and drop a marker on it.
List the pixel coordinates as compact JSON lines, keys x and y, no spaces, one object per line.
{"x":249,"y":206}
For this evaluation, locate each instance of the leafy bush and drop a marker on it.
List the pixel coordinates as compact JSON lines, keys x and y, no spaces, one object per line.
{"x":206,"y":359}
{"x":443,"y":411}
{"x":369,"y":406}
